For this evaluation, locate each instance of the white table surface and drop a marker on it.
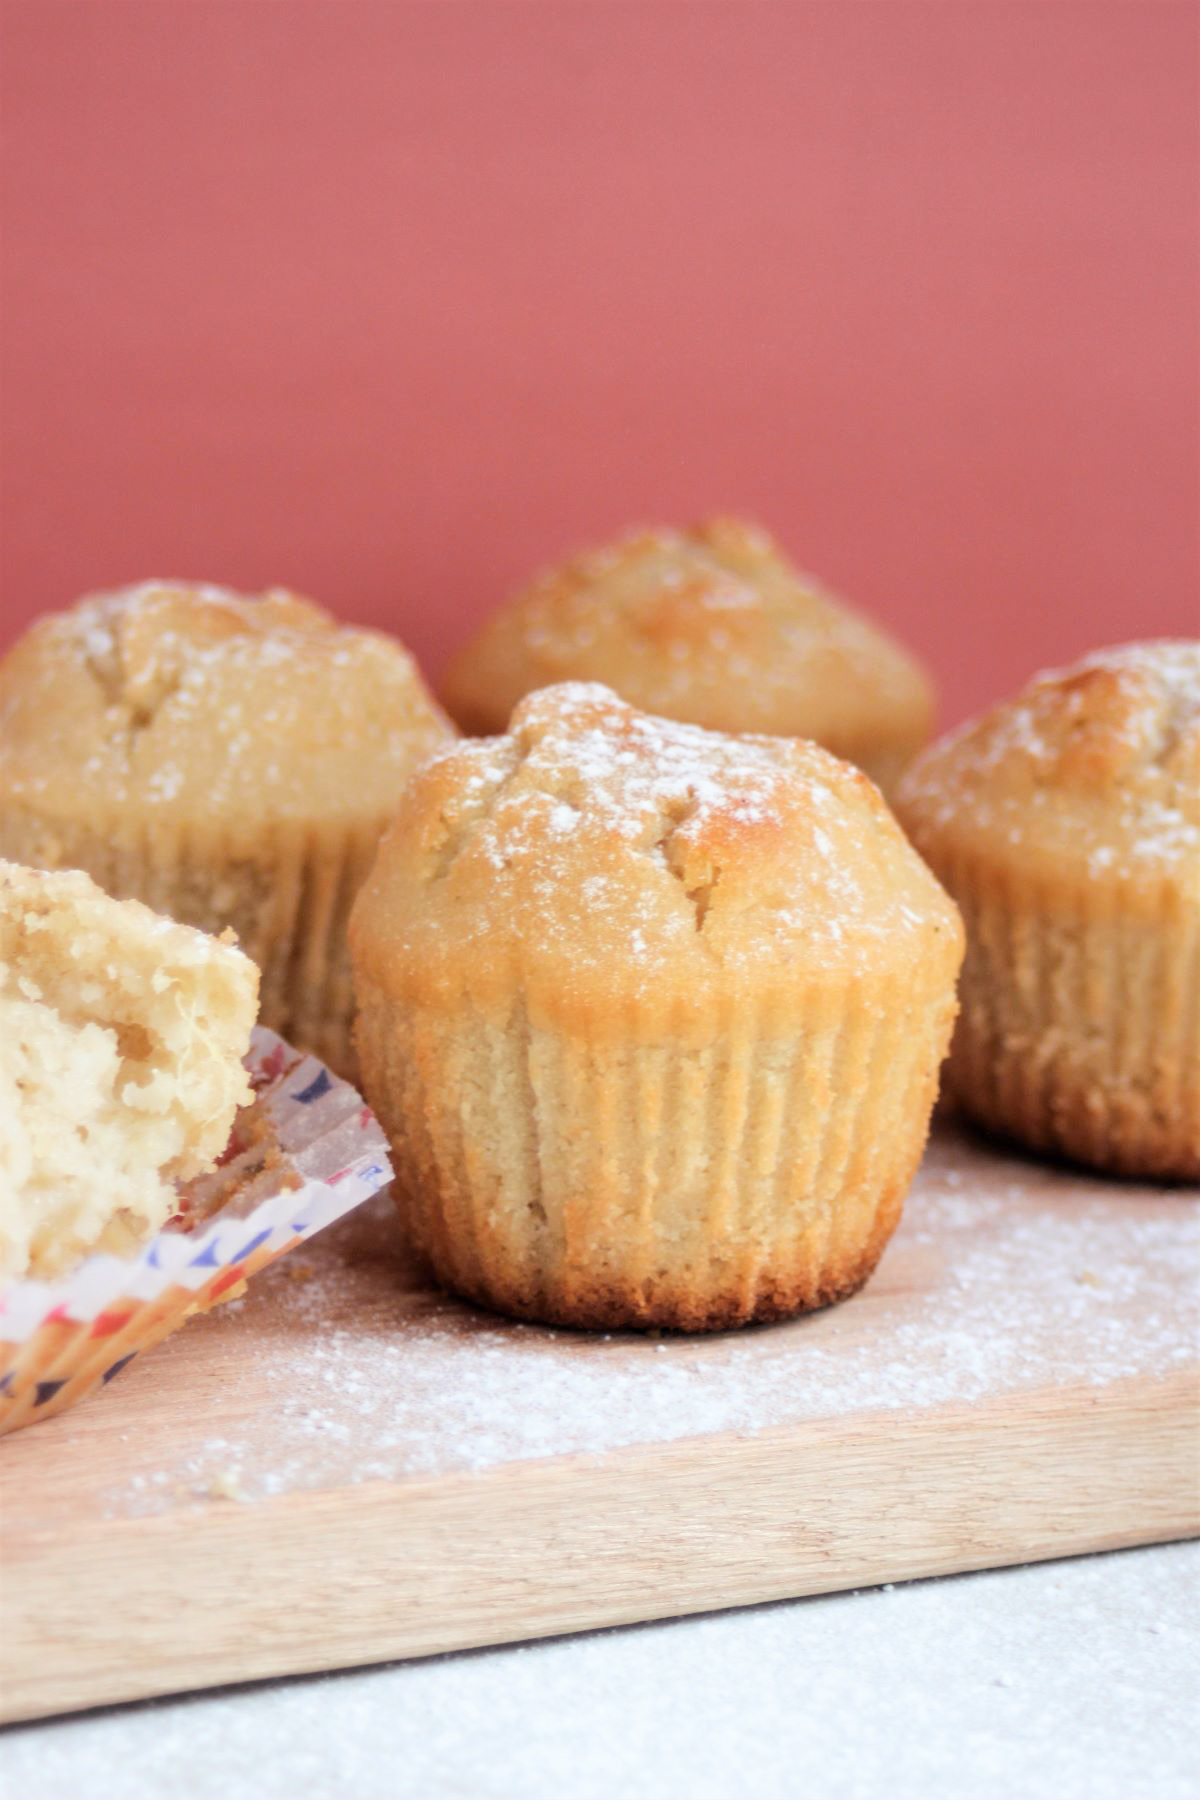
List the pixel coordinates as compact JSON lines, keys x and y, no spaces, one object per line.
{"x":1063,"y":1680}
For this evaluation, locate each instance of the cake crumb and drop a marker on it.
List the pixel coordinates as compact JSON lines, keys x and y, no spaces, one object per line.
{"x":227,"y":1485}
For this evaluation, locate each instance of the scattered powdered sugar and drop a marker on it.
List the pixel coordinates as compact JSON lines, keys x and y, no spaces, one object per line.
{"x":588,"y":804}
{"x":1110,"y":746}
{"x":1064,"y":1681}
{"x":164,"y":783}
{"x":630,"y":766}
{"x":193,"y":664}
{"x":1174,"y":663}
{"x":1005,"y":1277}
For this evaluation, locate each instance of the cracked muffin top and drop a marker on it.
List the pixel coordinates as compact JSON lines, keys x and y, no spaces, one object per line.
{"x":180,"y":701}
{"x":713,"y":626}
{"x":1096,"y":766}
{"x":599,"y":858}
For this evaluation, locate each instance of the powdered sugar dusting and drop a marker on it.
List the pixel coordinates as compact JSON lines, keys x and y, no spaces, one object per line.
{"x":1068,"y":1681}
{"x":190,"y":687}
{"x":1005,"y":1278}
{"x":634,"y":764}
{"x":1105,"y":754}
{"x":589,"y":806}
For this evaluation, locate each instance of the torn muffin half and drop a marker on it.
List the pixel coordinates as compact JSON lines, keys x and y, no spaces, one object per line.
{"x":122,"y":1036}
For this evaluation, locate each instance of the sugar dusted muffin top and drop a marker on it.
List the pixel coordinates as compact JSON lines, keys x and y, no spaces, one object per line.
{"x":600,"y":858}
{"x":652,"y":1017}
{"x":1066,"y":823}
{"x":1097,"y":764}
{"x":713,"y":626}
{"x":178,"y":701}
{"x":121,"y":1044}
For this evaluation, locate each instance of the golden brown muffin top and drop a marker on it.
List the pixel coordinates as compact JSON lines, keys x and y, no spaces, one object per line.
{"x":182,"y":702}
{"x":1097,"y":765}
{"x":713,"y":626}
{"x":597,"y":859}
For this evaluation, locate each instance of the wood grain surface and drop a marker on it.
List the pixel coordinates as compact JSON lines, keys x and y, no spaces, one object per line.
{"x":195,"y":1525}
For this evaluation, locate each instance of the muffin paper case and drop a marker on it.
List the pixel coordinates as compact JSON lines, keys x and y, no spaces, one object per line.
{"x":305,"y":1152}
{"x":652,"y":1017}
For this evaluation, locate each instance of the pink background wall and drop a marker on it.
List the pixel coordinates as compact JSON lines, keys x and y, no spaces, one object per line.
{"x":393,"y":302}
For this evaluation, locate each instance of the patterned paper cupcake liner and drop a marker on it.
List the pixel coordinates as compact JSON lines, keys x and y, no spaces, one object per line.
{"x":306,"y":1151}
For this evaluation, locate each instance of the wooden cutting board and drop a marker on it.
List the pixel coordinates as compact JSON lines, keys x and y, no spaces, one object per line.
{"x":346,"y":1467}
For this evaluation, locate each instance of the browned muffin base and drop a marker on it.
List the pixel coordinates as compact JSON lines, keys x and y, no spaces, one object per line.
{"x":601,"y":1306}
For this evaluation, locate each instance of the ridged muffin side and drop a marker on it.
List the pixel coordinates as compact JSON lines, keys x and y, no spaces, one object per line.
{"x":286,"y":891}
{"x":1067,"y":826}
{"x":634,"y":1071}
{"x":594,"y":1184}
{"x":1079,"y":1024}
{"x":228,"y":761}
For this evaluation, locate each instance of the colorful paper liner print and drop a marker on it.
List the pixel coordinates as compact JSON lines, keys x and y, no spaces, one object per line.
{"x":60,"y":1340}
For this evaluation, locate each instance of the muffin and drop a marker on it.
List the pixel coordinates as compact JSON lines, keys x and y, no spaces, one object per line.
{"x":1066,"y":823}
{"x":652,"y":1017}
{"x":713,"y":627}
{"x":229,"y":761}
{"x":121,"y":1043}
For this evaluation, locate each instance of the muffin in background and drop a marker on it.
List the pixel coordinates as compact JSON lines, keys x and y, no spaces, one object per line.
{"x":711,"y":626}
{"x":229,"y":761}
{"x":652,"y":1017}
{"x":1066,"y":823}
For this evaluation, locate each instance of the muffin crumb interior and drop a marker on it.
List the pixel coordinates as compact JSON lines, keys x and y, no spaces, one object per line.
{"x":121,"y":1039}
